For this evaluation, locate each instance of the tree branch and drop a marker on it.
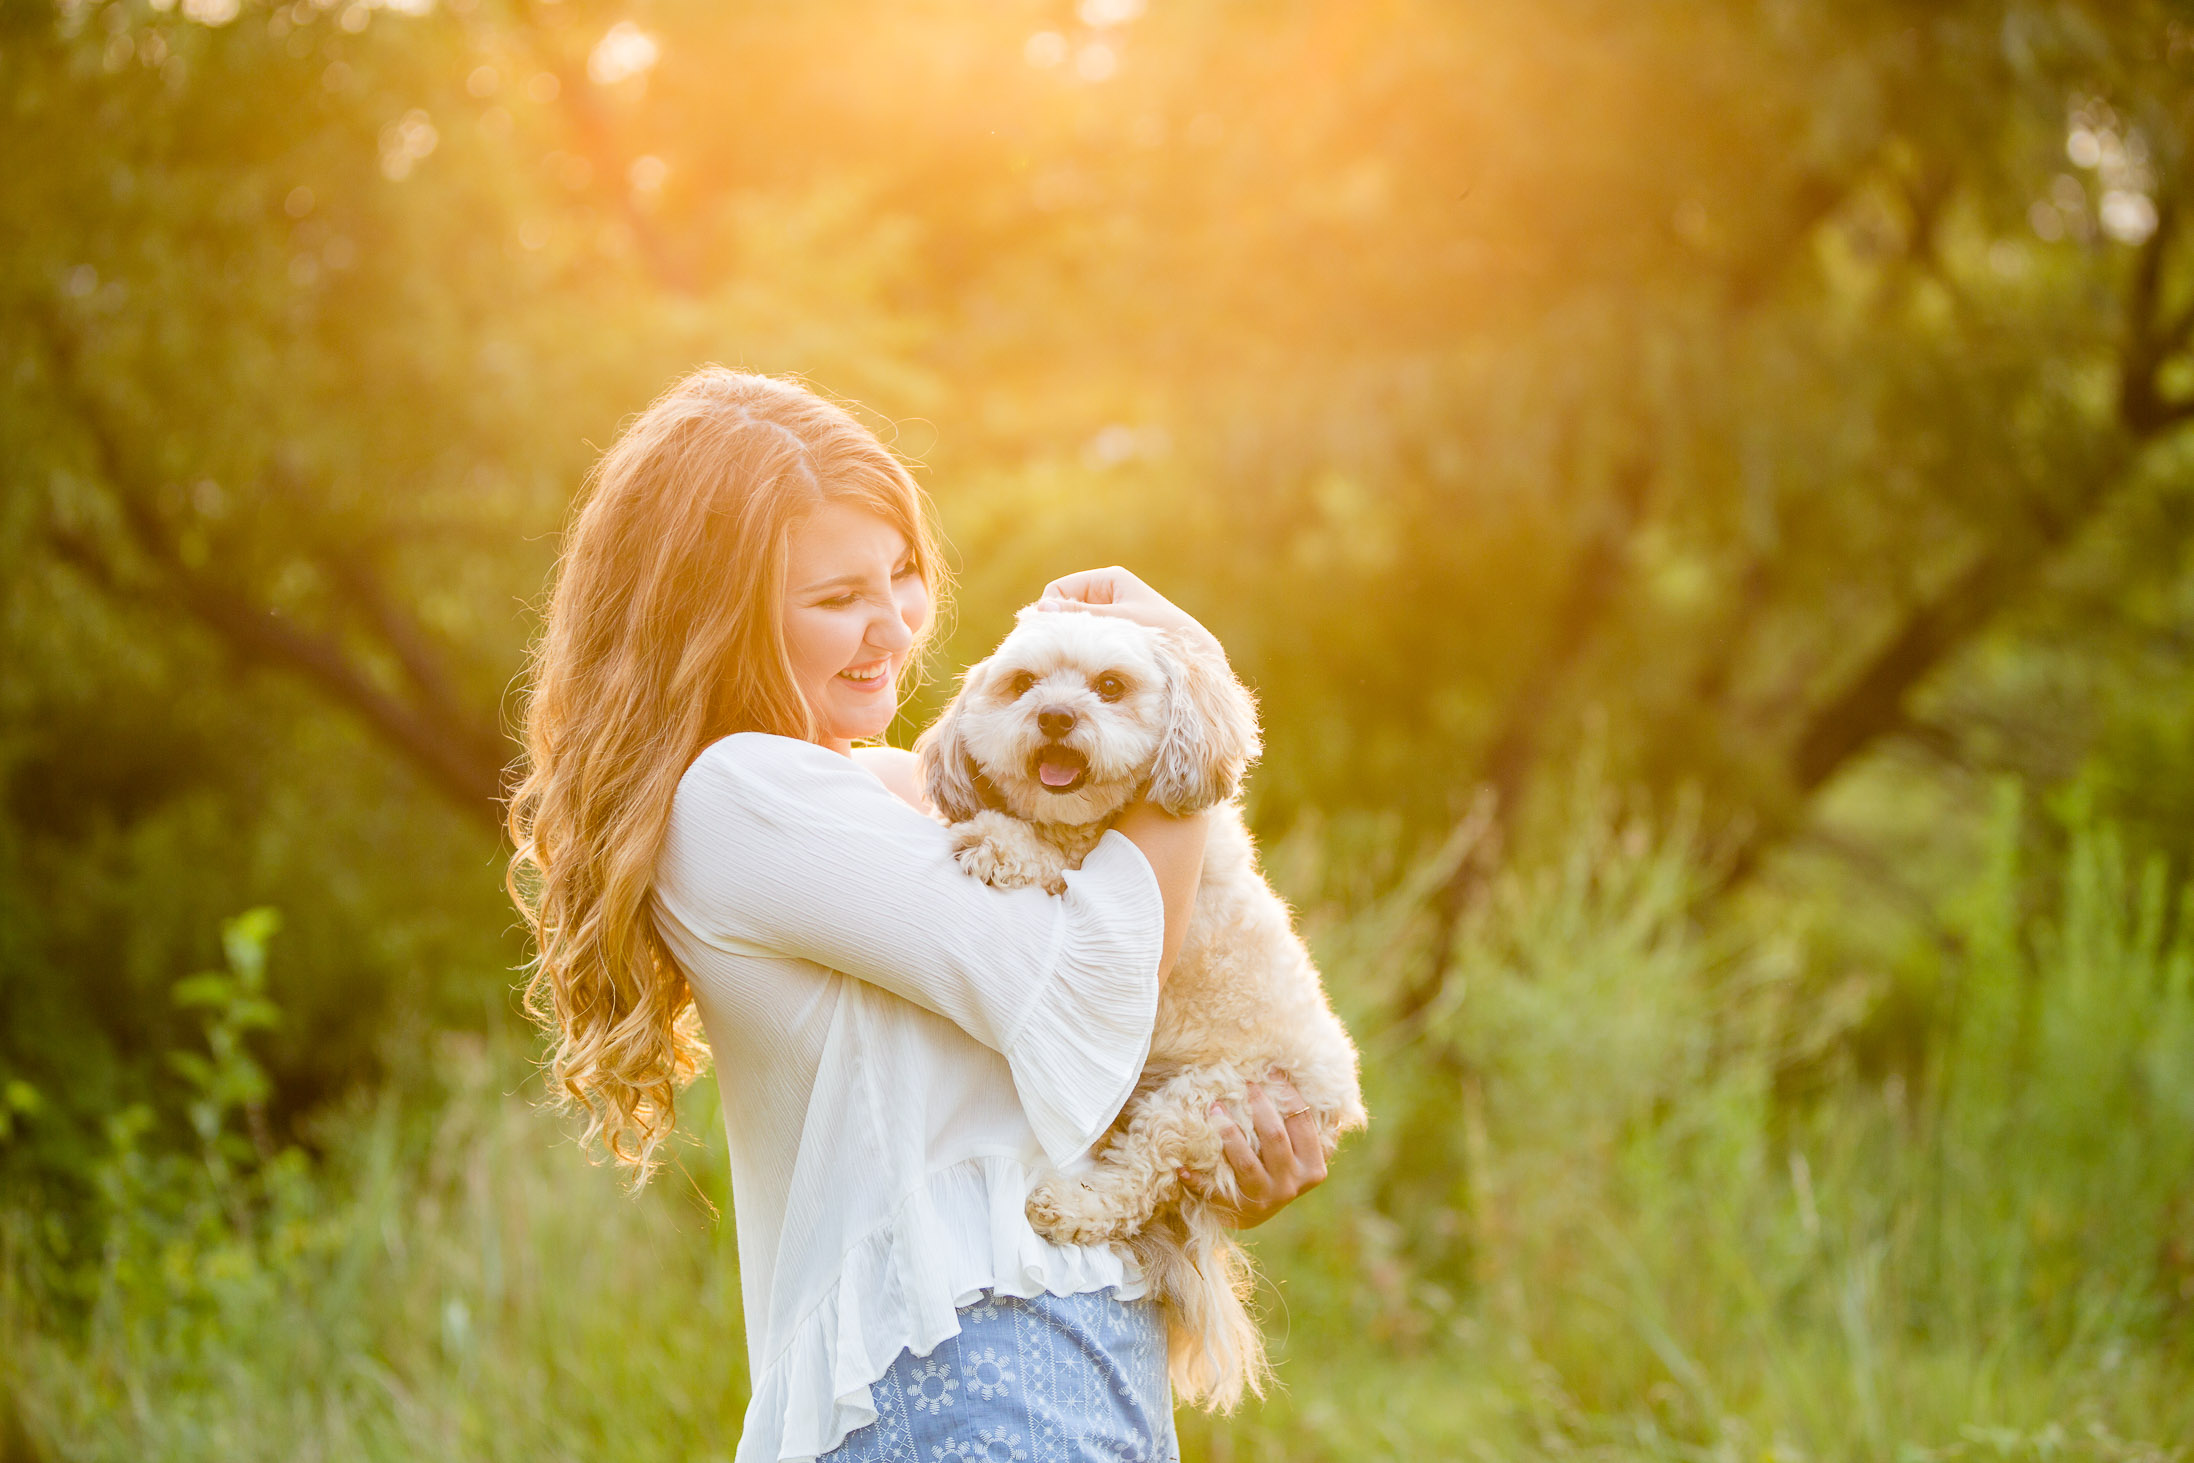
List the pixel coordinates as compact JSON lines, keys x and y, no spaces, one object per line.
{"x":444,"y":752}
{"x":1515,"y":748}
{"x":462,"y":756}
{"x":1872,"y":703}
{"x":415,"y":649}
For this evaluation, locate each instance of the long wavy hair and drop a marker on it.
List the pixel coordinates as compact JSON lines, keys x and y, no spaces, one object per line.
{"x":664,"y":632}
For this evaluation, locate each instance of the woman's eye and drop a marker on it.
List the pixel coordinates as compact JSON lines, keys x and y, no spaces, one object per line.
{"x":1110,"y":688}
{"x":1021,"y":684}
{"x":904,"y":570}
{"x":837,"y":601}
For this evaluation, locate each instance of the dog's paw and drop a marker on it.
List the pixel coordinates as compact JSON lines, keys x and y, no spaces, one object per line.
{"x":1067,"y":1213}
{"x":1007,"y":853}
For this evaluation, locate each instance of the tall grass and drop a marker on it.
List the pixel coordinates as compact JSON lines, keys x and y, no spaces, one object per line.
{"x":1631,"y":1197}
{"x":451,"y":1281}
{"x":1629,"y":1194}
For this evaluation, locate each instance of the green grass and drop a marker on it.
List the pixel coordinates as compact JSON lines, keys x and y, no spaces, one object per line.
{"x":455,"y":1281}
{"x":1635,"y":1190}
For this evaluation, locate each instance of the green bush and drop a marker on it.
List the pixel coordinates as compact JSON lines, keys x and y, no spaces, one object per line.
{"x":451,"y":1280}
{"x":1597,"y":1217}
{"x":1595,"y":1214}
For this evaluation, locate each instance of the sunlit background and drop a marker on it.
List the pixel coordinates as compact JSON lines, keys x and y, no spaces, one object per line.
{"x":1699,"y":486}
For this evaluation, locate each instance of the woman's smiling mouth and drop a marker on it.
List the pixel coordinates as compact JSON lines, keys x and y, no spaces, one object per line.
{"x":869,"y":677}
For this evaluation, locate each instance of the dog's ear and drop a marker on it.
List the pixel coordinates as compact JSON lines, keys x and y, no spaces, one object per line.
{"x":949,"y":774}
{"x":1210,"y":735}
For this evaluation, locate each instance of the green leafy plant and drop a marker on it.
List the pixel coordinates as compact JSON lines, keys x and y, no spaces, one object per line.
{"x":226,"y":1081}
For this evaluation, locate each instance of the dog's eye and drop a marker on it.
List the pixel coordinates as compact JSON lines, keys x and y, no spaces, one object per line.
{"x":1021,"y":685}
{"x":1109,"y":687}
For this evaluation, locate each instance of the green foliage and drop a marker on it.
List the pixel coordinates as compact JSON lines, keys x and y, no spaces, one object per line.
{"x":1591,"y":1224}
{"x":449,"y":1281}
{"x":1774,"y":381}
{"x":1584,"y":1222}
{"x":1777,"y":408}
{"x":227,"y":1080}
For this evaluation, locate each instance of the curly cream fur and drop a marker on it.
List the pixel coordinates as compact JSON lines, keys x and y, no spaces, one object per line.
{"x":1243,"y":997}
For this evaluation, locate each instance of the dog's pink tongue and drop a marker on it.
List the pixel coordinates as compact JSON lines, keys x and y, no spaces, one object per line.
{"x":1056,"y":774}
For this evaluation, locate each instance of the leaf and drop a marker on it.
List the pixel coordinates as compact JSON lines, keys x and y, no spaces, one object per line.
{"x":210,"y":988}
{"x":193,"y":1067}
{"x":255,"y":1014}
{"x":245,"y":939}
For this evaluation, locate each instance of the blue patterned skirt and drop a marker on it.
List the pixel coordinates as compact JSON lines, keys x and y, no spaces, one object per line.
{"x":1051,"y":1379}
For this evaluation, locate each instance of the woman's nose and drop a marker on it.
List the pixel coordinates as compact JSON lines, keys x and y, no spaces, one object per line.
{"x":890,"y":631}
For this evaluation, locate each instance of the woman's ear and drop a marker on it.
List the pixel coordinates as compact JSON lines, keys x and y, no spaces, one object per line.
{"x":949,"y":775}
{"x":1210,"y":735}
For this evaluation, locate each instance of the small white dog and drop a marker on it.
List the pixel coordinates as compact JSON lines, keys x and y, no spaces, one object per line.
{"x":1047,"y":741}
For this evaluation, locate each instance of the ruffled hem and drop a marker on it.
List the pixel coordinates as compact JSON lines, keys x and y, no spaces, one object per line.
{"x":1079,"y":1049}
{"x":900,"y":1289}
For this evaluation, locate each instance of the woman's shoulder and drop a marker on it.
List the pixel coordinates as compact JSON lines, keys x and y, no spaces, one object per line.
{"x":759,"y":773}
{"x":897,"y":769}
{"x":750,"y":752}
{"x":745,"y":802}
{"x":755,"y":772}
{"x":760,"y":762}
{"x":754,"y":810}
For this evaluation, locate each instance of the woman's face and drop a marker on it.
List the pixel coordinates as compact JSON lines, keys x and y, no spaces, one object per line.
{"x":854,"y":606}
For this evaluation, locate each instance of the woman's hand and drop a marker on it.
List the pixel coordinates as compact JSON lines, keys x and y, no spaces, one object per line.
{"x":1289,"y":1162}
{"x":1117,"y":592}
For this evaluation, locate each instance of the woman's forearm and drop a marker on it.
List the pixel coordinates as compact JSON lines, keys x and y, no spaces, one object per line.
{"x":1175,"y":849}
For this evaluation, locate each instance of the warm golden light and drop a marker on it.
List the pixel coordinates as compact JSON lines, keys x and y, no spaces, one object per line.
{"x":1700,"y":491}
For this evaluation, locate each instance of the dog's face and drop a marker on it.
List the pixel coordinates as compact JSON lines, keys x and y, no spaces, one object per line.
{"x":1075,"y":713}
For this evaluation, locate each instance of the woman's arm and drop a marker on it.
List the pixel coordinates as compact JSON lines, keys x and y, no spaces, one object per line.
{"x":1118,"y":593}
{"x":898,"y":769}
{"x":1174,"y":848}
{"x":781,"y":848}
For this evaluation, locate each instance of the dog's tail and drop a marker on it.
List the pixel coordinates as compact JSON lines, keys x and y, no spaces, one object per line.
{"x":1215,"y":1350}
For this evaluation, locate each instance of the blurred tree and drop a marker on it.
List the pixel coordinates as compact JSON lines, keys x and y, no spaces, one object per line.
{"x":1780,"y":384}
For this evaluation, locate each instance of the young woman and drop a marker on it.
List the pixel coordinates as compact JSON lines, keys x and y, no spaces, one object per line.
{"x":713,"y":868}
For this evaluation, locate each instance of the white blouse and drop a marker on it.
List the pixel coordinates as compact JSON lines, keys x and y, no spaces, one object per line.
{"x":899,"y":1048}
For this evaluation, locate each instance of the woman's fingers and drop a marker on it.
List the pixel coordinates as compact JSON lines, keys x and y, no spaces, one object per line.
{"x":1275,"y":1154}
{"x":1305,"y":1145}
{"x":1115,"y":591}
{"x":1249,"y":1173}
{"x":1101,"y":607}
{"x":1095,"y":586}
{"x":1289,"y":1160}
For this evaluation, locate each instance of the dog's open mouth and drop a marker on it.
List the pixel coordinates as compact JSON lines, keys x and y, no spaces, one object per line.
{"x":1061,"y":769}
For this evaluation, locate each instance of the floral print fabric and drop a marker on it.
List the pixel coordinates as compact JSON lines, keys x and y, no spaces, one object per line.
{"x":1050,"y":1379}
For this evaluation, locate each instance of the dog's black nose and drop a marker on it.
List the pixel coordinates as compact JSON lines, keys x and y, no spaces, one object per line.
{"x":1055,"y":721}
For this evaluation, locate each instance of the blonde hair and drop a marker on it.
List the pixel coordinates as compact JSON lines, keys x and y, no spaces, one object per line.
{"x":663,"y":633}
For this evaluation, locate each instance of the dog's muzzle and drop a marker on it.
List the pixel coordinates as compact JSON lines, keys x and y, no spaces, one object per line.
{"x":1059,"y":769}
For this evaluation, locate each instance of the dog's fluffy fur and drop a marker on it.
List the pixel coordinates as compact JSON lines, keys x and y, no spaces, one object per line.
{"x":1047,"y":741}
